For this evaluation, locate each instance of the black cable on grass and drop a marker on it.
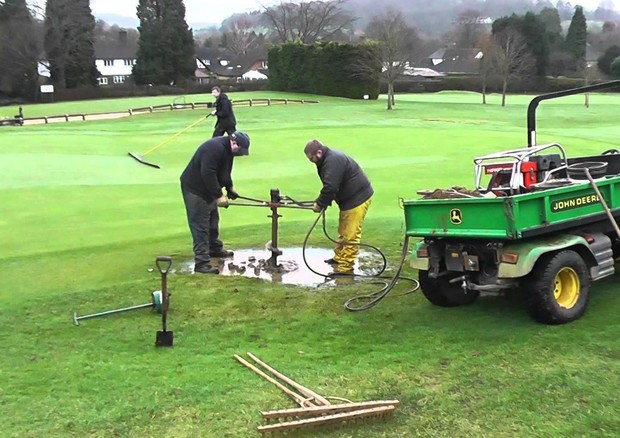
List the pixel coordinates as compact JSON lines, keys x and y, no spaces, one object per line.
{"x":375,"y":297}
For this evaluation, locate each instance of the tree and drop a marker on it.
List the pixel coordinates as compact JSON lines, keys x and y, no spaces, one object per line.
{"x":576,"y":38}
{"x":532,"y":30}
{"x":396,"y":42}
{"x":487,"y":45}
{"x":241,"y":37}
{"x":69,"y":30}
{"x":513,"y":57}
{"x":19,"y":49}
{"x":470,"y":28}
{"x":606,"y":59}
{"x":308,"y":22}
{"x":615,"y":67}
{"x":166,"y":46}
{"x":550,"y":18}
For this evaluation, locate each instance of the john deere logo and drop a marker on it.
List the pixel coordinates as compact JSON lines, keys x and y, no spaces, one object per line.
{"x":579,"y":201}
{"x":456,"y":217}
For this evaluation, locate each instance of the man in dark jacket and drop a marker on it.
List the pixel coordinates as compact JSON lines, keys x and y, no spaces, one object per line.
{"x":226,"y":121}
{"x":344,"y":182}
{"x":202,"y":181}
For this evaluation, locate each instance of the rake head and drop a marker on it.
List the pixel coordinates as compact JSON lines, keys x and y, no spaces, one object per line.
{"x":139,"y":159}
{"x":326,"y":421}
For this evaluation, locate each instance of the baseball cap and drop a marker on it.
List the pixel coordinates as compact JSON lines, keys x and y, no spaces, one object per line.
{"x":243,"y":141}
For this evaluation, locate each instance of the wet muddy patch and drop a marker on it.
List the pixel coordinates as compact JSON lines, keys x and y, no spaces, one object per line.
{"x":290,"y":267}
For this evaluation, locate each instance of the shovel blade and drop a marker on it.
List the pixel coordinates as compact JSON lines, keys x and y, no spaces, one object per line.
{"x":164,"y":339}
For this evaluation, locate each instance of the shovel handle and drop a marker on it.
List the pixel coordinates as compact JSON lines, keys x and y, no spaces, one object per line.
{"x":163,"y":263}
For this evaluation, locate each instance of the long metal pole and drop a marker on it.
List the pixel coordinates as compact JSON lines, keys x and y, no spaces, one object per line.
{"x":603,"y":203}
{"x":76,"y":319}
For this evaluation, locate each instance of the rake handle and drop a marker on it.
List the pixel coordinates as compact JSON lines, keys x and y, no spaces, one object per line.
{"x":168,"y":140}
{"x":297,"y":397}
{"x":305,"y":391}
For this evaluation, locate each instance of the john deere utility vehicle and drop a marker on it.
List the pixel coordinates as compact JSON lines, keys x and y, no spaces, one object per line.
{"x":538,"y":221}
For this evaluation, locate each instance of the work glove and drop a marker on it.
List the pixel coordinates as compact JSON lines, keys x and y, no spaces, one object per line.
{"x":316,"y":208}
{"x":222,"y":201}
{"x":232,"y":194}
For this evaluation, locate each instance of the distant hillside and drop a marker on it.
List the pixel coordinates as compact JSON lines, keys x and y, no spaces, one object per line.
{"x":133,"y":22}
{"x":119,"y":20}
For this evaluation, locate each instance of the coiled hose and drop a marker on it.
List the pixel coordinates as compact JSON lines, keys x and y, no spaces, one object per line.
{"x":374,"y":298}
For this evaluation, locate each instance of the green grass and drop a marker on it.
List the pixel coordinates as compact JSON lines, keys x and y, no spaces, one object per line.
{"x":82,"y":223}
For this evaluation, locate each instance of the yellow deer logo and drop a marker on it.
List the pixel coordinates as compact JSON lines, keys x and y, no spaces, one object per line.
{"x":456,"y":217}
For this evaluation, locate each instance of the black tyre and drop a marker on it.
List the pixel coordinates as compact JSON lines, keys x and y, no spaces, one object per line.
{"x":441,"y":292}
{"x":557,"y":289}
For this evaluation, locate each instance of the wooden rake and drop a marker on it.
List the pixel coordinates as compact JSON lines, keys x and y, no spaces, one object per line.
{"x":315,"y":410}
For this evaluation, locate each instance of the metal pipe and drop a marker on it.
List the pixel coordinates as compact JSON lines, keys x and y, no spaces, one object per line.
{"x":76,"y":319}
{"x":531,"y":109}
{"x":269,"y":205}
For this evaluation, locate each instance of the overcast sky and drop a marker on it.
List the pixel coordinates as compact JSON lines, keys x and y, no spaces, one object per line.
{"x":214,"y":11}
{"x":205,"y":11}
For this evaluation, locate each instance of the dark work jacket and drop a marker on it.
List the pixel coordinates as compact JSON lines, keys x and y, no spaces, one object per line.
{"x":224,"y":111}
{"x":343,"y":179}
{"x":209,"y":169}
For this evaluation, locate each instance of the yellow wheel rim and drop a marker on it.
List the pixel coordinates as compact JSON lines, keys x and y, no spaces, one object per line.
{"x":566,"y":288}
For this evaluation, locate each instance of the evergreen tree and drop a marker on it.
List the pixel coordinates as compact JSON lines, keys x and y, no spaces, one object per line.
{"x":550,"y":18}
{"x":166,"y":44}
{"x":607,"y":58}
{"x":16,"y":9}
{"x":19,"y":49}
{"x":69,"y":30}
{"x":576,"y":37}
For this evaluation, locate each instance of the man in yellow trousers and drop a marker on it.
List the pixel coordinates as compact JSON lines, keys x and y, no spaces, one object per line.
{"x":344,"y":182}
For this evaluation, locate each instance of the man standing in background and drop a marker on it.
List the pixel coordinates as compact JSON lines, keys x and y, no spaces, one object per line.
{"x":226,"y":122}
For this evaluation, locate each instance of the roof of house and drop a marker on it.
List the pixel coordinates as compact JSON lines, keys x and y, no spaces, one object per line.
{"x":455,"y":60}
{"x":115,"y":49}
{"x":225,"y":63}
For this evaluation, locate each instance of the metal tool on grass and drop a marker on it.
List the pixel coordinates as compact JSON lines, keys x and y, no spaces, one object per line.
{"x":164,"y":337}
{"x":156,"y":303}
{"x":140,"y":158}
{"x":276,"y":201}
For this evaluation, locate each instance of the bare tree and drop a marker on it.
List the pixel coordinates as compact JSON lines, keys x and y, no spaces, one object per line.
{"x":487,"y":62}
{"x":469,"y":28}
{"x":308,"y":22}
{"x":396,"y":42}
{"x":241,"y":37}
{"x":512,"y":58}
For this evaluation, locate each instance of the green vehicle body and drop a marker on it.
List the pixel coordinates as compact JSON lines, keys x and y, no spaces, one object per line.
{"x":512,"y":217}
{"x":547,"y":242}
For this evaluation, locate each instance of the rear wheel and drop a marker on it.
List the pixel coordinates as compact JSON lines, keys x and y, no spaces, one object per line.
{"x":557,"y":289}
{"x":441,"y":292}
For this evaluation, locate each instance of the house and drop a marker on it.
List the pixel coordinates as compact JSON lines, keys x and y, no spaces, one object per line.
{"x":115,"y":59}
{"x":217,"y":65}
{"x":455,"y":60}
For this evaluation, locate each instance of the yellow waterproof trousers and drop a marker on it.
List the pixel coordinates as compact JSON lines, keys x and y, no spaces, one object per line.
{"x":349,"y":230}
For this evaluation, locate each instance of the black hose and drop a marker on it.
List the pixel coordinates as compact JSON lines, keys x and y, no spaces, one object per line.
{"x":375,"y":297}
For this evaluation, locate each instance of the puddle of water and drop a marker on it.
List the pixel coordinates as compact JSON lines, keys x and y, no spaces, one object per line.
{"x":291,"y":269}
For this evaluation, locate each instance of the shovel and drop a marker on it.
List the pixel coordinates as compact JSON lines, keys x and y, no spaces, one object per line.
{"x":164,"y":337}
